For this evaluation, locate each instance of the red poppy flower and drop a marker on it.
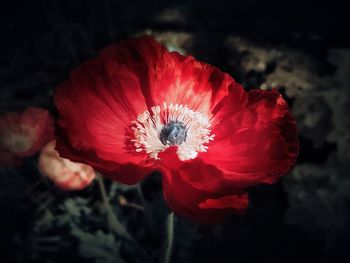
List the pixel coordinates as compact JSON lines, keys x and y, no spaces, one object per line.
{"x":64,"y":174}
{"x":23,"y":134}
{"x":138,"y":107}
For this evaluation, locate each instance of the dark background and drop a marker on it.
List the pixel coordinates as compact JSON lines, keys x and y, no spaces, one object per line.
{"x":303,"y":218}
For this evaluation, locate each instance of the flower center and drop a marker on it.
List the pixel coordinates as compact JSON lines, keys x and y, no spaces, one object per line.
{"x":170,"y":125}
{"x":173,"y":133}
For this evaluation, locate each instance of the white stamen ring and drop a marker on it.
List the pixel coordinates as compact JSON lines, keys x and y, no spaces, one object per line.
{"x":148,"y":129}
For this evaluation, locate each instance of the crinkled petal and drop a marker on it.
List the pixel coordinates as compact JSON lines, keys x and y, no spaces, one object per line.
{"x":197,"y":190}
{"x":96,"y":119}
{"x":196,"y":172}
{"x":257,"y":145}
{"x":198,"y":205}
{"x":184,"y":80}
{"x":139,"y":56}
{"x":101,"y":99}
{"x":233,"y":103}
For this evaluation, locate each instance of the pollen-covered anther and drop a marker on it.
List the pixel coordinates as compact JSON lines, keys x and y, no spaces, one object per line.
{"x":172,"y":124}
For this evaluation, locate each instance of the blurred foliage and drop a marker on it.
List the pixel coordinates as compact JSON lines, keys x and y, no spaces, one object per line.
{"x":98,"y":246}
{"x":73,"y":224}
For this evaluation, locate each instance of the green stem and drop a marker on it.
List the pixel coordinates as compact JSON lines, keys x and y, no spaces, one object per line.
{"x":169,"y":237}
{"x":113,"y":221}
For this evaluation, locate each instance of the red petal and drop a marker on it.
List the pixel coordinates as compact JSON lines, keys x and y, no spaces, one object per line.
{"x":114,"y":86}
{"x":186,"y":81}
{"x":195,"y":172}
{"x":235,"y":102}
{"x":175,"y":79}
{"x":200,"y":206}
{"x":127,"y":173}
{"x":139,"y":56}
{"x":99,"y":119}
{"x":258,"y":144}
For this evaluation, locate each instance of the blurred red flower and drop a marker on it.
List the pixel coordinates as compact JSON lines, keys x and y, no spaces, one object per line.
{"x":139,"y":108}
{"x":23,"y":134}
{"x":62,"y":172}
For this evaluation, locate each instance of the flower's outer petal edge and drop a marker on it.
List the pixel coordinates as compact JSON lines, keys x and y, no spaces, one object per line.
{"x":196,"y":172}
{"x":198,"y":205}
{"x":257,"y":145}
{"x":201,"y":206}
{"x":209,"y":202}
